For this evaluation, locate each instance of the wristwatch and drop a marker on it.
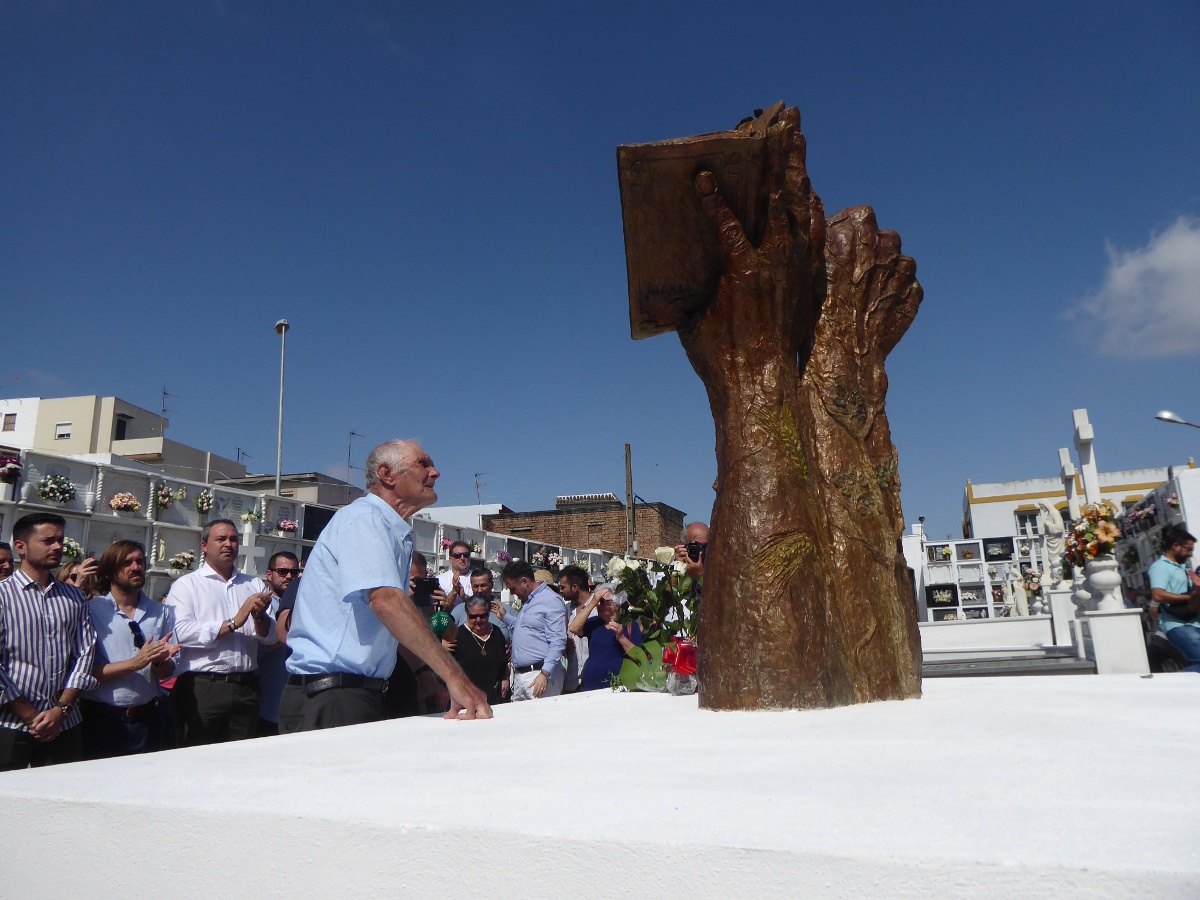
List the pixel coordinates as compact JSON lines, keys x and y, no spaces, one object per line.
{"x":232,"y":627}
{"x":65,"y":708}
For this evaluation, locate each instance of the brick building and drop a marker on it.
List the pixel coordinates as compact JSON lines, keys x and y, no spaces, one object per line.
{"x":592,"y":522}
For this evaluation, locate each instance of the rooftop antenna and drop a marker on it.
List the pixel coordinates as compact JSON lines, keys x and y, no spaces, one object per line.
{"x":162,"y":416}
{"x":349,"y":447}
{"x":243,"y":455}
{"x":479,"y":484}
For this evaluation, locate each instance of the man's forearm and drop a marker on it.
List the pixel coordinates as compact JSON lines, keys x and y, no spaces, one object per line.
{"x":407,"y":625}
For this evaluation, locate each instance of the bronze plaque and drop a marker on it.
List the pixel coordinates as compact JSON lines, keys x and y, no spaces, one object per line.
{"x":671,"y":252}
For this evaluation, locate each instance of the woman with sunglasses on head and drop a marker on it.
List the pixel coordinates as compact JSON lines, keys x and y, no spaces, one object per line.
{"x":124,"y":714}
{"x":80,"y":575}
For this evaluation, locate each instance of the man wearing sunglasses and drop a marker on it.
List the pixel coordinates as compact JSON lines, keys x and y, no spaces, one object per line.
{"x":124,"y":714}
{"x":456,"y":584}
{"x":282,"y":569}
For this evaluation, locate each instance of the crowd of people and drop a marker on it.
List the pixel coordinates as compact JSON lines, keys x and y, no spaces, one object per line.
{"x":91,"y":667}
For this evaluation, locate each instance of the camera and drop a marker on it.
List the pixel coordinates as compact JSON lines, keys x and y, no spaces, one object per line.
{"x":423,"y":589}
{"x":696,"y":551}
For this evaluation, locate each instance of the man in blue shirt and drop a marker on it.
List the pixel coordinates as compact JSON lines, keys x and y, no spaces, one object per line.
{"x":539,"y":636}
{"x":123,"y":714}
{"x":352,"y":608}
{"x":1171,"y":586}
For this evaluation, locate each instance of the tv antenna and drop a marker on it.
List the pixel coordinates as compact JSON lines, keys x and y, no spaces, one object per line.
{"x":479,"y":484}
{"x":162,"y":415}
{"x":349,"y":447}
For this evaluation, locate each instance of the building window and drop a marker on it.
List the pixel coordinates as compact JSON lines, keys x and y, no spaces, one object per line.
{"x":1029,"y":522}
{"x":120,"y":428}
{"x":62,"y":431}
{"x":10,"y":421}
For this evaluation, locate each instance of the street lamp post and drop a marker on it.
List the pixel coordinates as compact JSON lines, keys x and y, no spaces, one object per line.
{"x":1166,"y":415}
{"x":281,"y":329}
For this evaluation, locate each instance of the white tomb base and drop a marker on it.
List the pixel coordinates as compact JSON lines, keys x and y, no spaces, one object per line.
{"x":986,"y":787}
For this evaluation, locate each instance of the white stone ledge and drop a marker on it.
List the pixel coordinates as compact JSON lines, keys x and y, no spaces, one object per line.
{"x":985,"y":787}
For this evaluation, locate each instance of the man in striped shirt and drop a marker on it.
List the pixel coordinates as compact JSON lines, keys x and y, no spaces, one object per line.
{"x":47,"y":646}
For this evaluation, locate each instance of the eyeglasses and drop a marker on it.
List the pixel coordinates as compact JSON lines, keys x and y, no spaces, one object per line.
{"x":481,"y":615}
{"x":461,"y":555}
{"x":286,"y":573}
{"x":139,"y":639}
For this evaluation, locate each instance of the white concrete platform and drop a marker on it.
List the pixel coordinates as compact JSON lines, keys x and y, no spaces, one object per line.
{"x":1032,"y":787}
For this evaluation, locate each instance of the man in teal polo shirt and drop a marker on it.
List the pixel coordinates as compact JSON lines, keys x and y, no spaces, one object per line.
{"x":353,"y":607}
{"x":1178,"y":597}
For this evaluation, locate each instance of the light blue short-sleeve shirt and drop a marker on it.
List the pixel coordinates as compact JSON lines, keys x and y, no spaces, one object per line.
{"x":366,"y":545}
{"x":1172,"y":577}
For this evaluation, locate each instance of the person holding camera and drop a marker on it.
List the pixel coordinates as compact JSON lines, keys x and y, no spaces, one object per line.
{"x":693,"y":549}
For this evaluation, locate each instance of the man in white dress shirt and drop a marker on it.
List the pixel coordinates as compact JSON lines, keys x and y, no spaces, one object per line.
{"x":456,"y":584}
{"x":221,"y":617}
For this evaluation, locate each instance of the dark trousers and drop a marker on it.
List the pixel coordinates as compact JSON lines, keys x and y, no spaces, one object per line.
{"x":19,"y":750}
{"x":329,"y":709}
{"x":106,"y":734}
{"x":211,"y":712}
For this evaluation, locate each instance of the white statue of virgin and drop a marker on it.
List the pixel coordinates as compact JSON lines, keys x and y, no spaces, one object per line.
{"x":1053,"y":528}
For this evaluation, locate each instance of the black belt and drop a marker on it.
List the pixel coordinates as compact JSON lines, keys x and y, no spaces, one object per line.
{"x":232,"y":677}
{"x":315,"y":684}
{"x":120,"y":712}
{"x":525,"y":670}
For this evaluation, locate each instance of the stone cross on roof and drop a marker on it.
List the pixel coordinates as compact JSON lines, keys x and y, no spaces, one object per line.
{"x":1087,"y":457}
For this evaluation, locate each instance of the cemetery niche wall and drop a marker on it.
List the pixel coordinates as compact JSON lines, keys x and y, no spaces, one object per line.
{"x":787,"y":317}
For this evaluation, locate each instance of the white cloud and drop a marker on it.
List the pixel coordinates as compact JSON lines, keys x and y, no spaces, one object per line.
{"x":1149,"y":303}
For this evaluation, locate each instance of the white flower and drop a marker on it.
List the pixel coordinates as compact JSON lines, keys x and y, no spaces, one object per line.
{"x":633,"y":564}
{"x":664,"y":554}
{"x":680,"y":568}
{"x":615,"y":567}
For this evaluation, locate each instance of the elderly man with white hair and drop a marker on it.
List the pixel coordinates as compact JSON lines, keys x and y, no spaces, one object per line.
{"x":353,"y":607}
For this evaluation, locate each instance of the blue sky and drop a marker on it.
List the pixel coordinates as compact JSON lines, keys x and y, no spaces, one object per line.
{"x":428,"y":193}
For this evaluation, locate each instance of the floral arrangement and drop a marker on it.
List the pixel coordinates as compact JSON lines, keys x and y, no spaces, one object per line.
{"x":946,"y":552}
{"x":447,"y":543}
{"x":1022,"y":548}
{"x":204,"y":502}
{"x":10,"y":469}
{"x":949,"y":617}
{"x":658,"y":596}
{"x":475,"y":548}
{"x":554,"y":559}
{"x":164,"y":496}
{"x":503,"y":556}
{"x":1130,"y":559}
{"x":969,"y":597}
{"x":943,"y":597}
{"x":1172,"y":501}
{"x":663,"y":600}
{"x":125,"y":502}
{"x":1093,"y":535}
{"x":1141,"y":514}
{"x":182,"y":561}
{"x":996,"y":550}
{"x":72,"y":549}
{"x":252,"y":515}
{"x":56,"y":489}
{"x":538,"y":560}
{"x":1032,"y":582}
{"x":997,"y":595}
{"x":287,"y":525}
{"x":968,"y":554}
